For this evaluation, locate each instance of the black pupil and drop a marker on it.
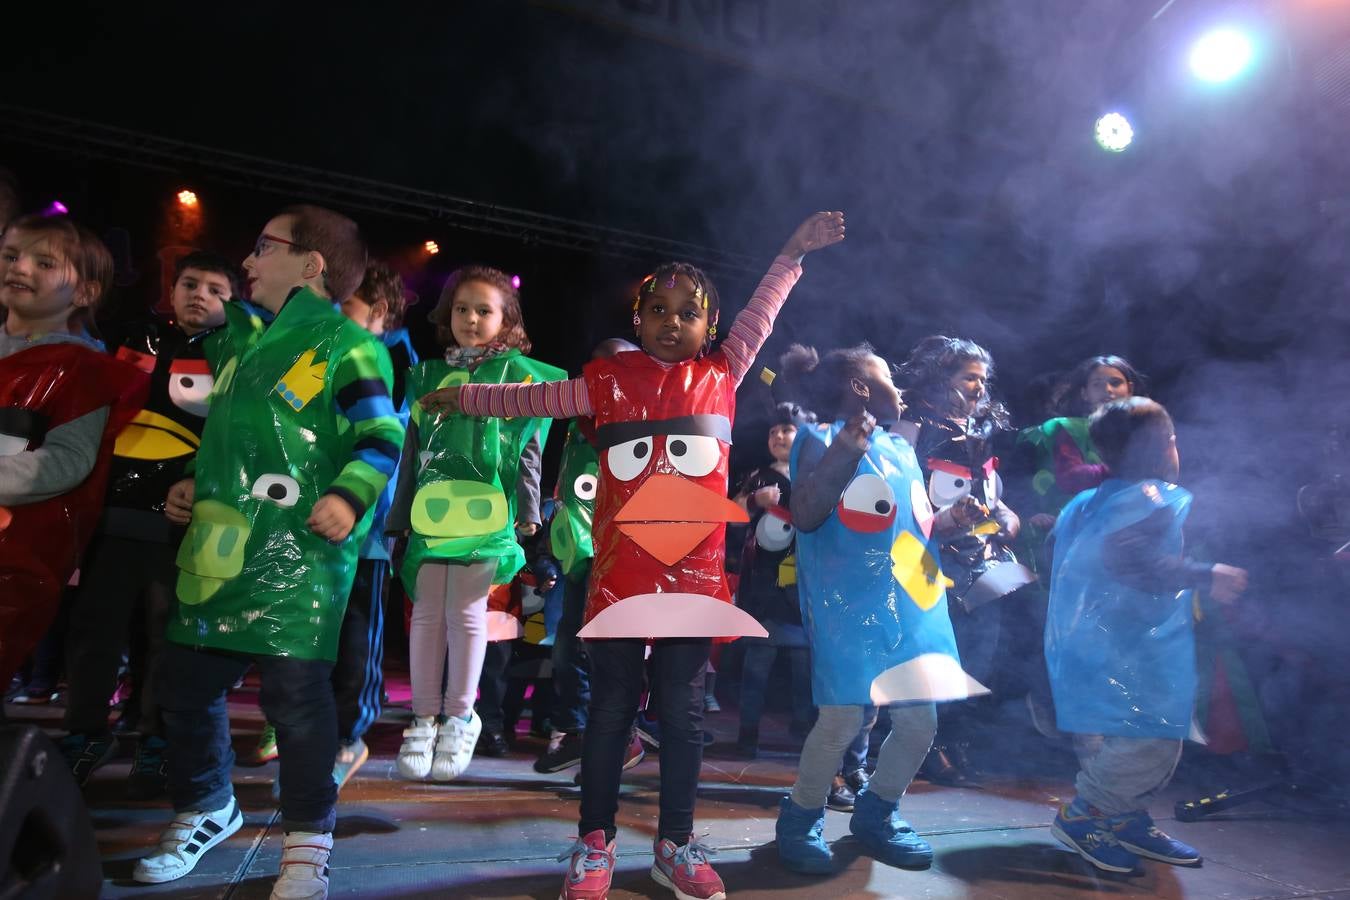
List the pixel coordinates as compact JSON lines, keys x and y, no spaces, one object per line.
{"x":276,"y":490}
{"x":678,"y":448}
{"x":185,"y":381}
{"x":883,"y":507}
{"x":786,"y":528}
{"x":641,"y":450}
{"x":960,"y":482}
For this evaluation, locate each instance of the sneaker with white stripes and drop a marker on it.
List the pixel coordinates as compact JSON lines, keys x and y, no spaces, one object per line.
{"x":190,"y":835}
{"x":419,"y":746}
{"x":304,"y":866}
{"x":454,"y":748}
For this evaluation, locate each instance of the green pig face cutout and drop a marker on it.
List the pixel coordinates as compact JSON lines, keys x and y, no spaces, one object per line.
{"x":570,"y":532}
{"x":446,"y":510}
{"x":213,"y":549}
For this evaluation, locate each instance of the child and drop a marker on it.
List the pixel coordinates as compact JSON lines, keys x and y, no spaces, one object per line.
{"x":873,"y":603}
{"x":62,"y":402}
{"x":466,"y":487}
{"x":951,"y":421}
{"x":300,"y":439}
{"x":1119,"y":640}
{"x":767,"y":589}
{"x":130,"y":563}
{"x":663,"y":426}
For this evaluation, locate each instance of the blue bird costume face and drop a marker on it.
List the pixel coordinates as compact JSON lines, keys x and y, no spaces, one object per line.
{"x":873,"y":596}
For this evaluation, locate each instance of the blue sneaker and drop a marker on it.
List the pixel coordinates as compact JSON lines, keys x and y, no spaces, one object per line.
{"x":801,"y":845}
{"x":1136,"y":832}
{"x":1080,"y":828}
{"x":878,"y":827}
{"x":85,"y":753}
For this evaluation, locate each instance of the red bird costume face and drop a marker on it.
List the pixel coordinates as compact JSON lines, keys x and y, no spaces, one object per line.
{"x":663,"y":433}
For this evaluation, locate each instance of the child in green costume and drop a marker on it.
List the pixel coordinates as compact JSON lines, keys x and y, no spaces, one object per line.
{"x":466,"y":486}
{"x":300,"y":438}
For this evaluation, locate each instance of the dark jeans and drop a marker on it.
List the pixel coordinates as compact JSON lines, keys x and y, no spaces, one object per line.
{"x":296,"y":697}
{"x":855,"y":757}
{"x":760,"y":654}
{"x":118,"y":576}
{"x":358,"y":674}
{"x":616,"y":687}
{"x":571,"y":676}
{"x":492,"y":685}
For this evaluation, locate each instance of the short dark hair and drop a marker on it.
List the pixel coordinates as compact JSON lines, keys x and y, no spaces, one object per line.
{"x":206,"y":261}
{"x":1068,"y":398}
{"x":334,"y":237}
{"x":86,"y":252}
{"x":821,"y":385}
{"x":1133,"y":436}
{"x":381,"y":282}
{"x":513,"y":323}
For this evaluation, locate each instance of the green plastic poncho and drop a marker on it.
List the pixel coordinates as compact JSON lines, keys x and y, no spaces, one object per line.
{"x":570,"y":532}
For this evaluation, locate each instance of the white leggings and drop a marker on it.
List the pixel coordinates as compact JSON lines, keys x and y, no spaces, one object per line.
{"x":449,"y":618}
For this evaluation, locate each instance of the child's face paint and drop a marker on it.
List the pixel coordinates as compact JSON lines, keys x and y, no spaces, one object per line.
{"x":672,"y":323}
{"x":476,"y":314}
{"x":199,"y":300}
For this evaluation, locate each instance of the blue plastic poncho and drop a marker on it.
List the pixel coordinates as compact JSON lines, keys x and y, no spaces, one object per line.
{"x":873,"y":598}
{"x":1121,"y":660}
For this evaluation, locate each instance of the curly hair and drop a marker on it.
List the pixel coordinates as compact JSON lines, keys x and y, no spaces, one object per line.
{"x":926,"y":377}
{"x":1068,"y":397}
{"x":703,"y":286}
{"x":381,"y":282}
{"x":513,"y":323}
{"x":821,"y":385}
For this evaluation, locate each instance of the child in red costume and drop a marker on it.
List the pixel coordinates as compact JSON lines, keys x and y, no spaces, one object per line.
{"x":62,"y":402}
{"x":663,"y":426}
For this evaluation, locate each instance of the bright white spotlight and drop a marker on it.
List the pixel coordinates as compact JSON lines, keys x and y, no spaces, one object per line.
{"x":1114,"y":132}
{"x":1221,"y":55}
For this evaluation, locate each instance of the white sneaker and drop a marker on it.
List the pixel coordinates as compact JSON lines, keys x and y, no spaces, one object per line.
{"x":419,"y":745}
{"x":185,"y":840}
{"x":304,"y":866}
{"x":454,"y":748}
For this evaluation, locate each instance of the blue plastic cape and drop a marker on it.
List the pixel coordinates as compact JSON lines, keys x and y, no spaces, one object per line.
{"x":873,"y":599}
{"x":1121,"y":660}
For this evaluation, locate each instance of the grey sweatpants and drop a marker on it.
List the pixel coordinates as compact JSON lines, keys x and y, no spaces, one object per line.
{"x":912,"y":730}
{"x":1119,"y":775}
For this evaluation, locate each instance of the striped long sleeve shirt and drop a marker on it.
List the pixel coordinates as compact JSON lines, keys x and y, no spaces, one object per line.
{"x":362,"y":383}
{"x":566,"y":399}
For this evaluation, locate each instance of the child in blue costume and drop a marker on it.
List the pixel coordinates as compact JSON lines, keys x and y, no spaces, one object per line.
{"x":873,"y":602}
{"x":1119,"y":640}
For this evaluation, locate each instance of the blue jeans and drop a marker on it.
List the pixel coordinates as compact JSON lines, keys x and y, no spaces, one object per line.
{"x":296,"y":697}
{"x":571,"y":678}
{"x":759,"y":656}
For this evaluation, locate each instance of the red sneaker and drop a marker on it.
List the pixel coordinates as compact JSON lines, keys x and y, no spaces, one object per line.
{"x":591,"y":868}
{"x":686,"y":870}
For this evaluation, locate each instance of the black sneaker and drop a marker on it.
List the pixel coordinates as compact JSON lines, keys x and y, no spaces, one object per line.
{"x":857,"y":780}
{"x":564,"y":754}
{"x":747,"y":743}
{"x":493,"y":743}
{"x":85,"y":754}
{"x":149,"y":774}
{"x":841,"y":798}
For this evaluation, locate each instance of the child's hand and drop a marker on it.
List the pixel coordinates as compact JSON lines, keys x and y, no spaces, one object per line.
{"x":767,"y":496}
{"x":527,"y":529}
{"x":820,"y":230}
{"x":443,"y":402}
{"x":858,"y":429}
{"x":967,"y":511}
{"x":178,"y":504}
{"x":1226,"y":583}
{"x":332,"y":518}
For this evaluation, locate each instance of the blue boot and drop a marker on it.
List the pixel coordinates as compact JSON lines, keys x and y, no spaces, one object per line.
{"x":878,"y":827}
{"x":801,"y":847}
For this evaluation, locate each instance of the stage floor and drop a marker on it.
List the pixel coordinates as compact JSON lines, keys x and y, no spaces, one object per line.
{"x":496,"y":833}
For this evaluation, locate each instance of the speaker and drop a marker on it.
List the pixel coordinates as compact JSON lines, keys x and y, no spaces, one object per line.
{"x":47,"y":846}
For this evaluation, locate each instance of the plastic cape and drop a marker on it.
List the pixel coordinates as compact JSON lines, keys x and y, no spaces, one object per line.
{"x":253,"y":578}
{"x":570,"y":531}
{"x":1042,"y":440}
{"x":464,"y":509}
{"x":374,"y":546}
{"x":151,"y":453}
{"x":1121,"y":661}
{"x":663,"y":432}
{"x":41,"y":388}
{"x":873,"y":597}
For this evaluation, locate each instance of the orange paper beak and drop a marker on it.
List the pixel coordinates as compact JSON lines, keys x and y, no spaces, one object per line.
{"x":669,"y":516}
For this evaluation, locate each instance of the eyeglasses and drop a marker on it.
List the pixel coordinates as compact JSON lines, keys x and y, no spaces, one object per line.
{"x":261,"y":246}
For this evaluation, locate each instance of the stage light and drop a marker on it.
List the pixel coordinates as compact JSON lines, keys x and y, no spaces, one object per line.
{"x":515,"y":282}
{"x":187,"y":198}
{"x":56,"y":208}
{"x":1114,"y":132}
{"x":1221,"y":55}
{"x":432,"y":247}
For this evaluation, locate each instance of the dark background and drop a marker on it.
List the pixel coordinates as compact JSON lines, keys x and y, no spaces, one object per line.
{"x":957,"y":136}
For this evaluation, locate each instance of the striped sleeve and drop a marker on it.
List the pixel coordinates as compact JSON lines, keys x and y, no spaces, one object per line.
{"x":541,"y":400}
{"x":362,"y":384}
{"x":752,"y":327}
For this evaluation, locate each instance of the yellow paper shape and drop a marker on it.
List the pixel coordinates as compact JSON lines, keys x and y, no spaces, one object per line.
{"x":917,"y":571}
{"x":302,"y":381}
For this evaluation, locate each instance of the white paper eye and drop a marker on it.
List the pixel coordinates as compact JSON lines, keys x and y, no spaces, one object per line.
{"x":868,"y":494}
{"x":283,"y":490}
{"x":945,"y":488}
{"x":773,"y":533}
{"x":584,"y":486}
{"x":191,"y":393}
{"x":694,"y":455}
{"x":628,"y":460}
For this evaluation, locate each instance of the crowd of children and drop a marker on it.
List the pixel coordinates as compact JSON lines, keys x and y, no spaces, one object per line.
{"x":237,"y":485}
